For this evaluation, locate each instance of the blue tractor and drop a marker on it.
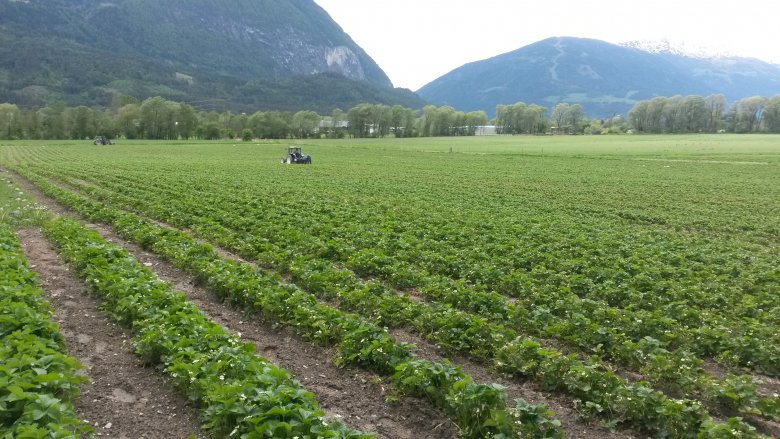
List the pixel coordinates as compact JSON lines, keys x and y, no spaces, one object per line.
{"x":296,"y":156}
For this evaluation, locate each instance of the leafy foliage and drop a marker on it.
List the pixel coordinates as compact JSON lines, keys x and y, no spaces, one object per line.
{"x":536,"y":421}
{"x":39,"y":382}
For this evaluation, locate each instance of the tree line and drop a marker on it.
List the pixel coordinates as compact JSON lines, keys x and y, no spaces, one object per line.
{"x":710,"y":114}
{"x":158,"y":118}
{"x":161,"y":119}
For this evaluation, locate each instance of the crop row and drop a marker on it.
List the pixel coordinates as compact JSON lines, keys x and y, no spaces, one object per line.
{"x":478,"y":410}
{"x":38,"y":380}
{"x":239,"y":392}
{"x":553,"y":310}
{"x":677,"y":372}
{"x":650,"y":411}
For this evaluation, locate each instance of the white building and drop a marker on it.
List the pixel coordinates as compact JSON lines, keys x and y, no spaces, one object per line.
{"x":485,"y":130}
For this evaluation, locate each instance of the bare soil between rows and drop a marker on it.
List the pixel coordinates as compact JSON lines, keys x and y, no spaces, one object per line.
{"x":124,"y":398}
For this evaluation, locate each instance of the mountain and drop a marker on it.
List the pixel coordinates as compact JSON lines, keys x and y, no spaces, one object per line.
{"x":244,"y":54}
{"x":604,"y":78}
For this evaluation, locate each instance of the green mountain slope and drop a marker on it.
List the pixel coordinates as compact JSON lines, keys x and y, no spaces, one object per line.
{"x":87,"y":51}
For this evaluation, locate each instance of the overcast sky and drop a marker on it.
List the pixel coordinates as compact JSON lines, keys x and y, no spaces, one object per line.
{"x":416,"y":41}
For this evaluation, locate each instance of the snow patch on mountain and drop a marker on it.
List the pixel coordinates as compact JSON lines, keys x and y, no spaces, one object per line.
{"x":680,"y":48}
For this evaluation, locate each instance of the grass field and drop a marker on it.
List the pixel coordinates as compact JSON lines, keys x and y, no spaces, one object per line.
{"x":597,"y":267}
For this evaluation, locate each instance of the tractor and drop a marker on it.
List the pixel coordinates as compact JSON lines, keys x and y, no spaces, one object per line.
{"x":296,"y":156}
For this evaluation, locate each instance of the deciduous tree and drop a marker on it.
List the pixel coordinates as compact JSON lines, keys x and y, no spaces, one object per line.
{"x":10,"y":121}
{"x":306,"y":124}
{"x":716,"y":107}
{"x":772,"y":115}
{"x":749,"y":113}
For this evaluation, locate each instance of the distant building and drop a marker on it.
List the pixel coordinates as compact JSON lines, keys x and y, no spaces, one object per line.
{"x":485,"y":130}
{"x":327,"y":123}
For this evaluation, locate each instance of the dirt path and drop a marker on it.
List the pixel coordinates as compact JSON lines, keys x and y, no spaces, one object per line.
{"x":124,"y":399}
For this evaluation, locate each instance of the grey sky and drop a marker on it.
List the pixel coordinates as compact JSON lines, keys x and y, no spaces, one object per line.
{"x":416,"y":41}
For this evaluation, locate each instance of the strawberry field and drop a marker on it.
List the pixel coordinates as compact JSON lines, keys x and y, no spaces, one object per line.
{"x":632,"y":282}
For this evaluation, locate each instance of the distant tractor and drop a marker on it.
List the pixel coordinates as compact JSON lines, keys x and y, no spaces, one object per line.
{"x":296,"y":156}
{"x":102,"y":140}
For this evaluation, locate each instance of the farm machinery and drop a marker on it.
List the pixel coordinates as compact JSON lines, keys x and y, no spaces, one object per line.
{"x":296,"y":156}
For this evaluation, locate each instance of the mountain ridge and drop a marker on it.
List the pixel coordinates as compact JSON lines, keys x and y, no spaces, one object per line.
{"x":605,"y":78}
